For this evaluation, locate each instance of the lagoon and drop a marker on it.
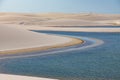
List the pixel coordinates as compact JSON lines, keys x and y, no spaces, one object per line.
{"x":100,"y":62}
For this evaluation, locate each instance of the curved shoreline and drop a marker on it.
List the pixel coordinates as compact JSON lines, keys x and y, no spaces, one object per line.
{"x":70,"y":42}
{"x":72,"y":29}
{"x":74,"y":41}
{"x":88,"y":43}
{"x":94,"y":43}
{"x":17,"y":40}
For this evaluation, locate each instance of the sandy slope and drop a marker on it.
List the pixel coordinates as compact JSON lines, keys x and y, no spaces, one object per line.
{"x":14,"y":38}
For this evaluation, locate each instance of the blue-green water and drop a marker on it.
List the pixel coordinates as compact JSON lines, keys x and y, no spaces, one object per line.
{"x":101,"y":62}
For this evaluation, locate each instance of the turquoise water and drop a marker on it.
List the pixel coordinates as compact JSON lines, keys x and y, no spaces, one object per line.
{"x":101,"y":62}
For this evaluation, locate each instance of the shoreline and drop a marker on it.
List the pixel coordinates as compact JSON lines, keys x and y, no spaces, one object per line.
{"x":98,"y":42}
{"x":70,"y":29}
{"x":63,"y":42}
{"x":69,"y":41}
{"x":74,"y":41}
{"x":17,"y":40}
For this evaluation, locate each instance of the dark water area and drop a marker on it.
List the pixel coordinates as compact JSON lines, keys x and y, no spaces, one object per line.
{"x":101,"y":62}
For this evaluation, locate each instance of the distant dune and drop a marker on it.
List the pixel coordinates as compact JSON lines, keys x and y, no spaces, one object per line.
{"x":61,"y":19}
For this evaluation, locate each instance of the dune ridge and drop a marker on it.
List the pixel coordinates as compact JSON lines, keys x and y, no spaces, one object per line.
{"x":61,"y":19}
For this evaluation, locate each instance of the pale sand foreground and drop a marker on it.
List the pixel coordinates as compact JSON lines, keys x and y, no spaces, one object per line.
{"x":14,"y":39}
{"x":16,"y":77}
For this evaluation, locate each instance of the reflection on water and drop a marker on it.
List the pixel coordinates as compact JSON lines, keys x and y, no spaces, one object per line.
{"x":101,"y":62}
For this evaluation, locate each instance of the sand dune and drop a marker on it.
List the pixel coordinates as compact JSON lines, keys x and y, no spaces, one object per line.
{"x":14,"y":38}
{"x":59,"y":19}
{"x":53,"y":21}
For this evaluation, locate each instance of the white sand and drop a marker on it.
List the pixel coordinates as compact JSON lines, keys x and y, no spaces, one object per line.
{"x":44,"y":28}
{"x":12,"y":38}
{"x":16,"y":77}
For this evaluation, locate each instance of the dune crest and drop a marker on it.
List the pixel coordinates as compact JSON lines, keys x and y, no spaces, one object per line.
{"x":59,"y":19}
